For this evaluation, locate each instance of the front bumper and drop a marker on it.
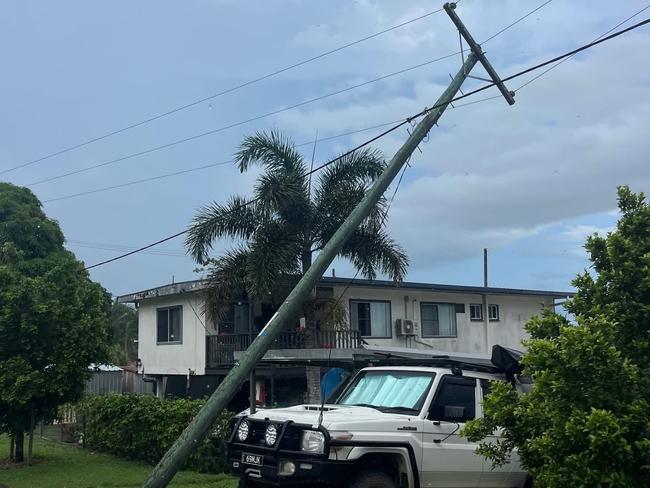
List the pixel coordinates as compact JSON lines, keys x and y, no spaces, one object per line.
{"x":309,"y":470}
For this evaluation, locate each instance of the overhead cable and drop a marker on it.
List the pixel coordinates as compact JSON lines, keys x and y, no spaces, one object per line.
{"x":397,"y":126}
{"x":218,"y":94}
{"x":273,"y":112}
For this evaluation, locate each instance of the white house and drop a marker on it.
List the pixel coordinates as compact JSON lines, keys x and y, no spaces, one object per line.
{"x":187,"y":354}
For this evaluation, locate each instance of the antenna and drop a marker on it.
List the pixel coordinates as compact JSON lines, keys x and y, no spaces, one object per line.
{"x":322,"y":399}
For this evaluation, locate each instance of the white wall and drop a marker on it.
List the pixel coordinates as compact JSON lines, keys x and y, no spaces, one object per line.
{"x":172,"y":358}
{"x":514,"y":312}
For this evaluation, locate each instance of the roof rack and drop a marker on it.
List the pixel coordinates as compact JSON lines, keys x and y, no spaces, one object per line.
{"x":502,"y":361}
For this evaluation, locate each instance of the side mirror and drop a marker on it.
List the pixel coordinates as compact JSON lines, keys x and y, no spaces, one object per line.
{"x":454,"y":413}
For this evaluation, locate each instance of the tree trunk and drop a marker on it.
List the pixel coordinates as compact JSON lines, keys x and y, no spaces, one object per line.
{"x":19,"y":436}
{"x":31,"y":438}
{"x":12,"y":444}
{"x":312,"y":373}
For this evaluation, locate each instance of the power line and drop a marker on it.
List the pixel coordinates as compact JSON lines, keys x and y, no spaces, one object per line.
{"x":274,"y":112}
{"x":569,"y":57}
{"x":516,"y":22}
{"x":385,"y":216}
{"x":230,"y":161}
{"x":221,"y":93}
{"x":206,"y":166}
{"x":239,"y":123}
{"x":120,"y":247}
{"x":249,"y":202}
{"x":397,"y":126}
{"x":543,"y":64}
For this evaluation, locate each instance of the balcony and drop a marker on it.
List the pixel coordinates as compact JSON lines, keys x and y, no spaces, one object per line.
{"x":220,"y":349}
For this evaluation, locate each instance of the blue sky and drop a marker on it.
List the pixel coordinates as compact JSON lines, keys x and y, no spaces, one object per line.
{"x":529,"y":181}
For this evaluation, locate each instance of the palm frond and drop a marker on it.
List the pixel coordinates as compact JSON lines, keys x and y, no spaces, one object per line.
{"x":273,"y":254}
{"x":235,"y":219}
{"x":225,"y":283}
{"x":272,"y":150}
{"x":284,"y":194}
{"x":342,"y":186}
{"x":360,"y":167}
{"x":371,"y":250}
{"x":332,"y":208}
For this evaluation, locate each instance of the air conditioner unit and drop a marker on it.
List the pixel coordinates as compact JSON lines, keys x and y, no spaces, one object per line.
{"x":404,"y":327}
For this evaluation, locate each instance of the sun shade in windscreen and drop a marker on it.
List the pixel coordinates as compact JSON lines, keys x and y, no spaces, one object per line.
{"x":389,"y":389}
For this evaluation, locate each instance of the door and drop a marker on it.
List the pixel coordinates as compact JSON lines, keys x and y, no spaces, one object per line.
{"x":448,"y":460}
{"x":509,"y":474}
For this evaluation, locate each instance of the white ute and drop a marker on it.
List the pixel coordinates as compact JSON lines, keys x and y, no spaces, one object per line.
{"x":392,"y":426}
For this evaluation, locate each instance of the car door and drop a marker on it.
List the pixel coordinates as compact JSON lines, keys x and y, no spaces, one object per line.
{"x":509,"y":474}
{"x":449,"y":460}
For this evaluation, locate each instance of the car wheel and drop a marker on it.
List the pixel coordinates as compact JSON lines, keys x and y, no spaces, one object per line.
{"x":244,"y":483}
{"x":373,"y":479}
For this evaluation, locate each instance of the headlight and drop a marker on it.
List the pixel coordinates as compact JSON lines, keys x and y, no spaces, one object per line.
{"x":312,"y":441}
{"x":271,"y":434}
{"x":243,"y":430}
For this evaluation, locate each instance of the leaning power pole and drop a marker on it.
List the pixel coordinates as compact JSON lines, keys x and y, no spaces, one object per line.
{"x":194,"y":433}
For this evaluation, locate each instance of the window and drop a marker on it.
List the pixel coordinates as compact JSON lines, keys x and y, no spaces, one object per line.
{"x":398,"y":391}
{"x":455,"y":400}
{"x":236,"y":320}
{"x":370,"y":318}
{"x":475,"y":311}
{"x":493,"y":312}
{"x":170,"y":325}
{"x":486,"y":386}
{"x":438,"y":319}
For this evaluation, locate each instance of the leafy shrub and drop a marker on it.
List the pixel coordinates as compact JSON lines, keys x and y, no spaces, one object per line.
{"x":143,"y":427}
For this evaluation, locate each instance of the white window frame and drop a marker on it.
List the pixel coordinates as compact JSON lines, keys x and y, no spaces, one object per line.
{"x":354,"y":301}
{"x":453,"y":318}
{"x":480,"y":309}
{"x":497,"y":316}
{"x":180,"y":324}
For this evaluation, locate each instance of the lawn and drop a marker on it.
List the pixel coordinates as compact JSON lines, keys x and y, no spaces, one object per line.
{"x":63,"y":466}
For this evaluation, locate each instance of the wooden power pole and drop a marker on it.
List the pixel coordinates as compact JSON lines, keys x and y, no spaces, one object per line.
{"x":190,"y":438}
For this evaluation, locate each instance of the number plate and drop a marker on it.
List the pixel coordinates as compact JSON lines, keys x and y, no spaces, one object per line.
{"x":254,"y":459}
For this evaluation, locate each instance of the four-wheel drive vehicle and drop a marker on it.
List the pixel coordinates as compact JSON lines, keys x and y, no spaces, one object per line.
{"x":392,"y":426}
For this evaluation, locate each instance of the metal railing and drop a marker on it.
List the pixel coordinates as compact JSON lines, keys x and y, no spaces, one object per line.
{"x":220,"y":349}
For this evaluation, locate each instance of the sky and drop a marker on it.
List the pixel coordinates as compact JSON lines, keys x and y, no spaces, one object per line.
{"x":529,"y":182}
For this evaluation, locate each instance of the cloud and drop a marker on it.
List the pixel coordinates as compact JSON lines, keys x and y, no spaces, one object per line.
{"x":492,"y":174}
{"x":580,"y":232}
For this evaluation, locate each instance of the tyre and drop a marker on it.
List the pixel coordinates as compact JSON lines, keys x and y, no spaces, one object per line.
{"x":244,"y":483}
{"x":373,"y":479}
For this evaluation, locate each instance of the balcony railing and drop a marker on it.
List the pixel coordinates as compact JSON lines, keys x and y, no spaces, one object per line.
{"x":220,"y":349}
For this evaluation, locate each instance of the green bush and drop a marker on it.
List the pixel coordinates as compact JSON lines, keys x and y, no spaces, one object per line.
{"x":143,"y":428}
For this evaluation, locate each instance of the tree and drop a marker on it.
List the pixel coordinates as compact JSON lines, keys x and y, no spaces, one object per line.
{"x":586,"y":421}
{"x":53,"y":319}
{"x":123,"y":332}
{"x":288,"y":223}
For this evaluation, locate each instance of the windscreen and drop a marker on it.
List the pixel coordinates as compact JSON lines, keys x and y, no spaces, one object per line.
{"x":389,"y":390}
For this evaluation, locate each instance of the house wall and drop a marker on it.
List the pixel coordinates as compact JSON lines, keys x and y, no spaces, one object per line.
{"x":514,"y":311}
{"x":172,"y":359}
{"x":178,"y":359}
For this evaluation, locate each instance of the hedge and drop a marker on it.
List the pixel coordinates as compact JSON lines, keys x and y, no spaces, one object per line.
{"x":143,"y":427}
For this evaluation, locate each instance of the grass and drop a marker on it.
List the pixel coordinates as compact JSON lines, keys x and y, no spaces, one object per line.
{"x":59,"y":465}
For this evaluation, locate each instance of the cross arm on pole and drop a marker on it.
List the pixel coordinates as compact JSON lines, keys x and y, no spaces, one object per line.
{"x":478,"y":52}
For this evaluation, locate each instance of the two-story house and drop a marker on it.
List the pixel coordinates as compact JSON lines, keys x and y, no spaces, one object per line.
{"x":185,"y":354}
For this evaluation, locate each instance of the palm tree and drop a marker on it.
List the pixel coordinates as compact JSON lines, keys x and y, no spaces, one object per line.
{"x":289,"y":221}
